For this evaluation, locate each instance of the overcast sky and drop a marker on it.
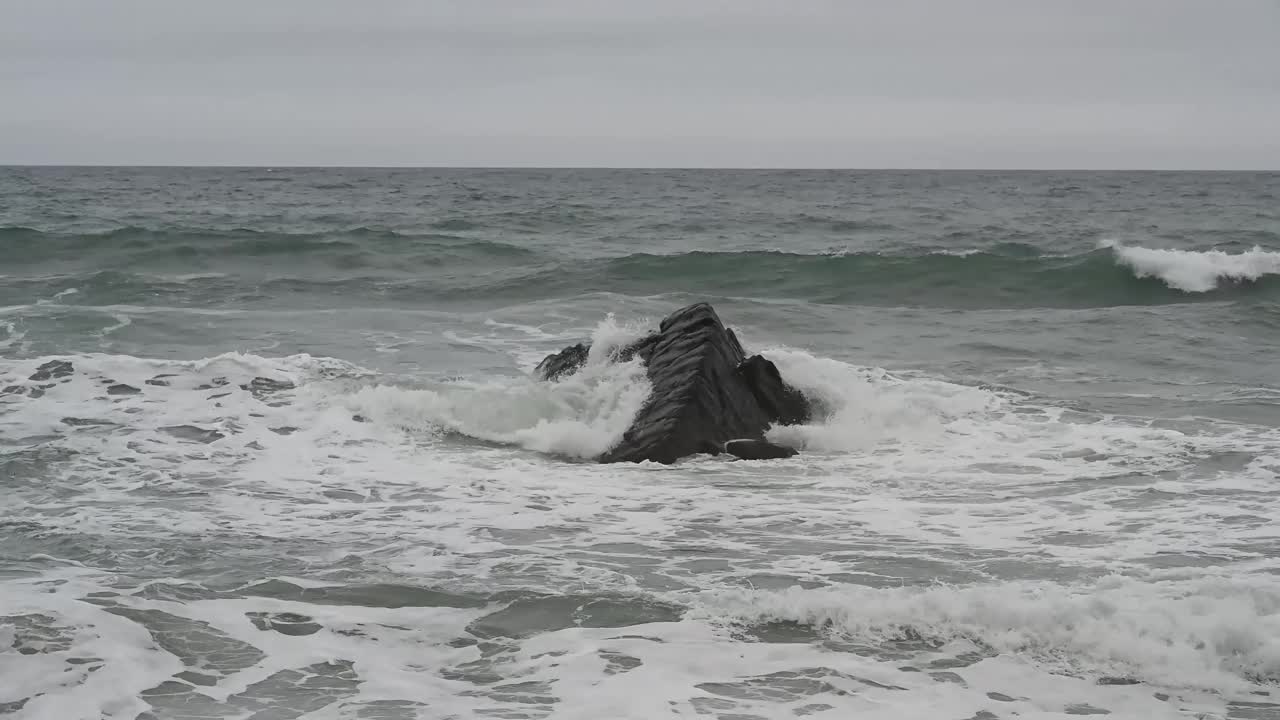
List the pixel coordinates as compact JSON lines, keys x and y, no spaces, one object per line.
{"x":686,"y":83}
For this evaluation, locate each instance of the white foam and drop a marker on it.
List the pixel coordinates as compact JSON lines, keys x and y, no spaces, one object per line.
{"x":97,"y":665}
{"x":57,"y":296}
{"x":906,"y":478}
{"x":1054,"y":642}
{"x":1196,"y":271}
{"x":581,"y":415}
{"x":1221,"y":634}
{"x":14,"y":335}
{"x":868,"y":406}
{"x":610,"y":336}
{"x":122,"y":321}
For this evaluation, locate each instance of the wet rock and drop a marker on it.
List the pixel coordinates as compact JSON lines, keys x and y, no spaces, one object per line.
{"x":565,"y":362}
{"x":53,"y":369}
{"x":160,"y":381}
{"x":706,"y":391}
{"x":776,"y":398}
{"x":758,"y":450}
{"x":122,"y":389}
{"x":284,"y":430}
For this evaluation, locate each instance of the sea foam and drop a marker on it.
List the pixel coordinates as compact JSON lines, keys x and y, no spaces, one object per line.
{"x":1196,"y":271}
{"x":1209,"y":633}
{"x":580,"y":416}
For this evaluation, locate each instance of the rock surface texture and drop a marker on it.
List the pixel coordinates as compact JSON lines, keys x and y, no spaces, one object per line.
{"x":706,"y":391}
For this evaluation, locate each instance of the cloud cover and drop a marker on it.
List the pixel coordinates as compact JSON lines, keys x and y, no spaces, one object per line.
{"x":718,"y":83}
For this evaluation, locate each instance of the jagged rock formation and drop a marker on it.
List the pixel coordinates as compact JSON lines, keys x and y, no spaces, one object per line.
{"x":706,"y":391}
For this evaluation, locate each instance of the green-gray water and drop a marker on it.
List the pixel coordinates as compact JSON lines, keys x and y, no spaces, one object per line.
{"x":269,"y":447}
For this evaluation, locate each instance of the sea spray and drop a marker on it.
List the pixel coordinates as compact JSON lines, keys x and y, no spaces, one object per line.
{"x":580,"y":415}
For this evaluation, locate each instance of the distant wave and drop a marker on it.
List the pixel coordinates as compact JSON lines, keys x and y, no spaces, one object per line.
{"x":1197,"y":271}
{"x":25,"y":245}
{"x":389,"y":265}
{"x":1006,"y":275}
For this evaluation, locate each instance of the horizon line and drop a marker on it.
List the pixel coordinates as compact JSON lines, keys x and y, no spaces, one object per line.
{"x":744,"y":168}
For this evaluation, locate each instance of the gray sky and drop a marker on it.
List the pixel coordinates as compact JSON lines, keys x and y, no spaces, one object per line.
{"x":687,"y":83}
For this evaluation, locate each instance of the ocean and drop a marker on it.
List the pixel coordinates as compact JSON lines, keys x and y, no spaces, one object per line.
{"x":270,"y":446}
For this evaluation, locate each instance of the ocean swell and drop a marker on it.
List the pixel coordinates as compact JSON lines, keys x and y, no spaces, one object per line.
{"x":381,"y":264}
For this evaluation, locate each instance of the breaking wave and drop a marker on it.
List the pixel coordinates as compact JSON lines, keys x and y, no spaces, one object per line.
{"x":1208,"y":633}
{"x":1197,"y":271}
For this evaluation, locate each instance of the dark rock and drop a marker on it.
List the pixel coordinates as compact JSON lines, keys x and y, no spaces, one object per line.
{"x":160,"y":381}
{"x":758,"y":450}
{"x":53,"y":369}
{"x":705,"y":390}
{"x":565,"y":362}
{"x":122,"y":389}
{"x":776,"y":398}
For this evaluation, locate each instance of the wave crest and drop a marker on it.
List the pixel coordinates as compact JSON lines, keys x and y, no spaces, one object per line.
{"x":1196,"y":271}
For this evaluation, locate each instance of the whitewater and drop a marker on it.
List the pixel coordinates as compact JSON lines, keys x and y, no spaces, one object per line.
{"x":318,"y":479}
